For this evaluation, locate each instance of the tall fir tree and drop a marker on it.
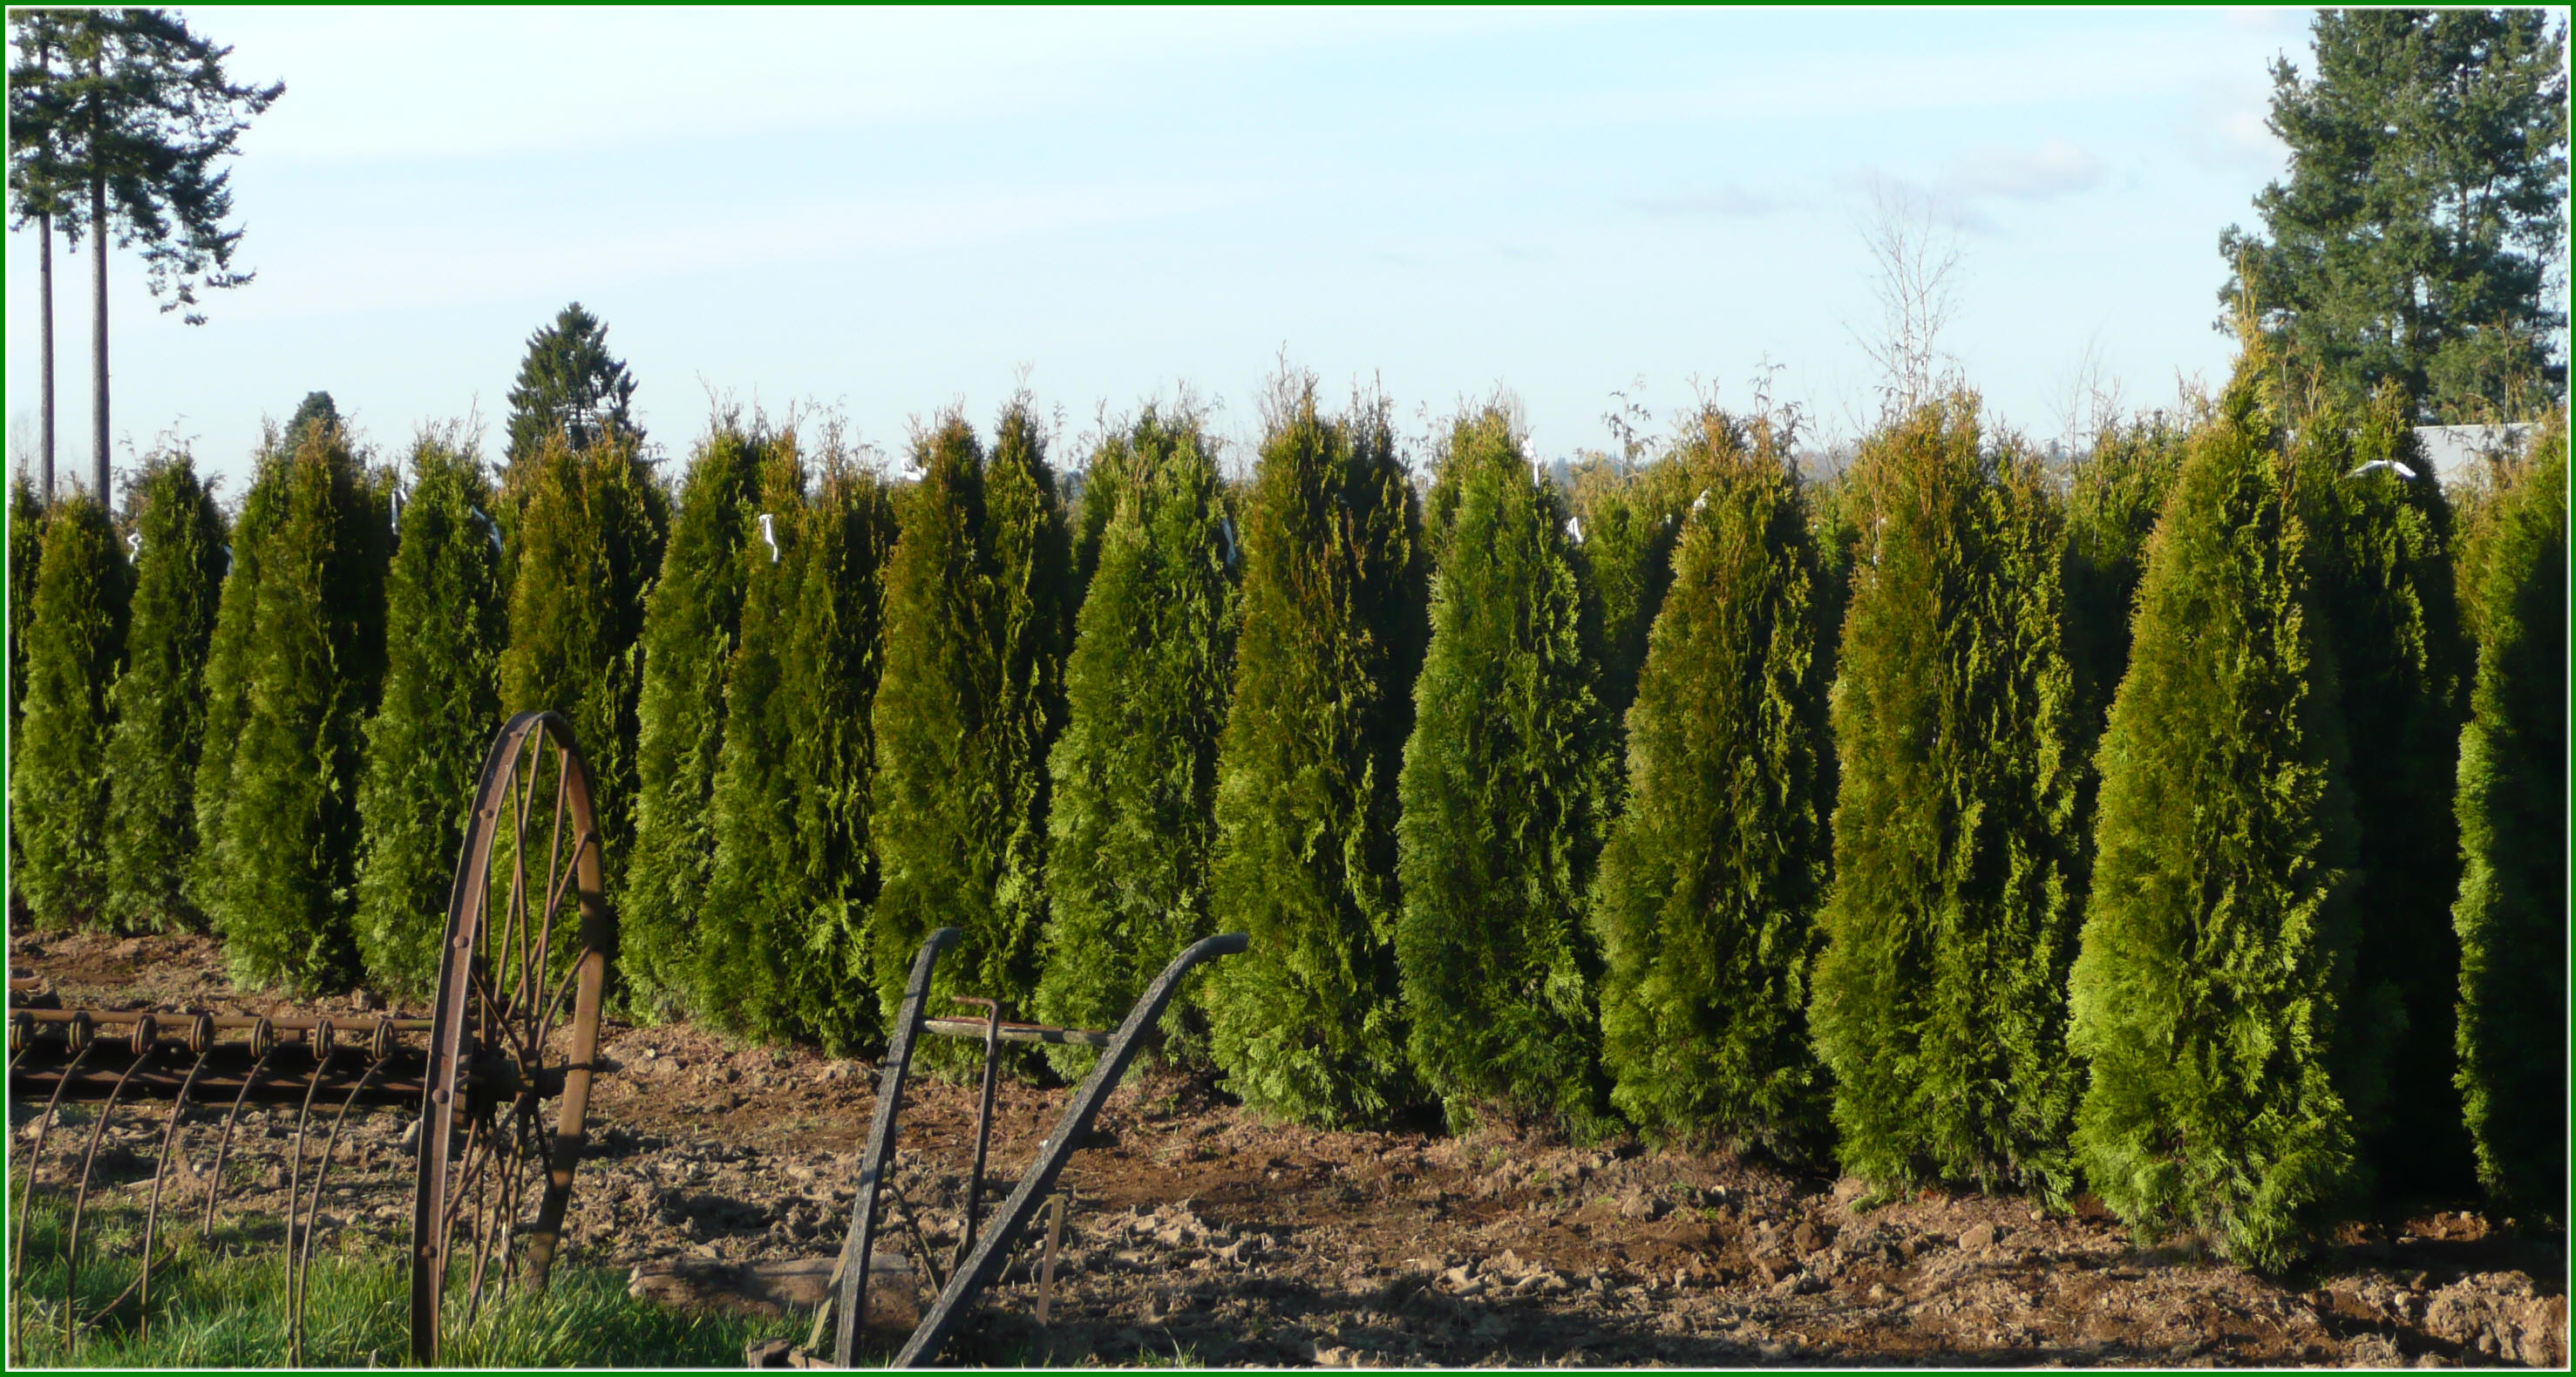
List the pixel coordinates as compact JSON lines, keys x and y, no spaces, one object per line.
{"x":228,"y":667}
{"x":587,"y":546}
{"x":1940,"y":1001}
{"x":2380,"y":544}
{"x":1708,"y":891}
{"x":570,"y":387}
{"x":1501,"y":790}
{"x":2211,"y":993}
{"x":159,"y":702}
{"x":1308,"y":1023}
{"x":75,"y":648}
{"x":444,"y":625}
{"x":830,"y":687}
{"x":2512,"y":911}
{"x":315,"y":665}
{"x":748,"y":924}
{"x":691,"y":620}
{"x":1133,"y":823}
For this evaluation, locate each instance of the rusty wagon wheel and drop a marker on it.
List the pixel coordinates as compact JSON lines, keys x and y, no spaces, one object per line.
{"x":516,"y":1026}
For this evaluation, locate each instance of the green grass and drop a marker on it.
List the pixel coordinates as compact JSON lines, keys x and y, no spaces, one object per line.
{"x":219,"y":1300}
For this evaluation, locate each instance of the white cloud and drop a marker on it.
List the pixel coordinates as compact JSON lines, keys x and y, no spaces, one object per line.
{"x":2057,"y":167}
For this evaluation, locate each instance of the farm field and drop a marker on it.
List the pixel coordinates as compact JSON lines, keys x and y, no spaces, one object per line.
{"x":1202,"y":1234}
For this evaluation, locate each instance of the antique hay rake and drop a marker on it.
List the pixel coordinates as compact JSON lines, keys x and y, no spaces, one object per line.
{"x":499,"y":1075}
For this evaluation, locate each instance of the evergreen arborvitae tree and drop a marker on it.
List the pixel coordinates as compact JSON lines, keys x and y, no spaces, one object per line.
{"x":936,"y":859}
{"x":830,"y":688}
{"x":1028,"y":553}
{"x":1631,"y":520}
{"x":1501,"y":793}
{"x":586,"y":548}
{"x":2210,"y":995}
{"x":2115,"y":494}
{"x":288,"y":849}
{"x":1308,"y":1023}
{"x":2512,"y":909}
{"x":445,"y":620}
{"x":691,"y":619}
{"x":750,"y":919}
{"x":59,"y":786}
{"x":1134,"y":816}
{"x":26,"y":553}
{"x":1940,"y":1002}
{"x":160,"y":702}
{"x":227,"y":677}
{"x":977,"y":611}
{"x":1708,"y":891}
{"x":2380,"y":545}
{"x":1102,"y":485}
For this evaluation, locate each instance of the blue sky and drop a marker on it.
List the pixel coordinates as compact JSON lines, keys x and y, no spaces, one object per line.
{"x":880,"y":214}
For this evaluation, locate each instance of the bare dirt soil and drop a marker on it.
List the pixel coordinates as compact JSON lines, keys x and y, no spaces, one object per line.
{"x":1204,"y":1234}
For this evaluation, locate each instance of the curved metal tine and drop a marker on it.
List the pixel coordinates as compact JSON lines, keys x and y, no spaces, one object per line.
{"x":294,"y":1192}
{"x":27,"y":1198}
{"x":80,"y":1195}
{"x":224,"y":1143}
{"x":921,"y":1244}
{"x":878,"y":1163}
{"x":303,"y":1262}
{"x":152,"y":1214}
{"x":963,"y":1287}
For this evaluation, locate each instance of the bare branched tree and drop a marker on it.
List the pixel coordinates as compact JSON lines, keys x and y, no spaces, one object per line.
{"x":1914,"y":256}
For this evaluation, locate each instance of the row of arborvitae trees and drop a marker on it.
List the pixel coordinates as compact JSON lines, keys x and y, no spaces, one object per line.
{"x":1959,"y":819}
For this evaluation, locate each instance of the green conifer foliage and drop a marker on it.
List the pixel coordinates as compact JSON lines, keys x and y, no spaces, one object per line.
{"x":445,"y":624}
{"x":1133,"y":825}
{"x":587,"y":546}
{"x":1939,"y":1000}
{"x":1709,"y":887}
{"x":933,"y":816}
{"x":2380,"y":546}
{"x":1501,"y":792}
{"x":1102,"y":481}
{"x":159,"y":702}
{"x":2512,"y":909}
{"x":289,"y":846}
{"x":748,"y":925}
{"x":75,"y":646}
{"x":830,"y":687}
{"x":2116,"y":492}
{"x":1029,"y":555}
{"x":978,"y":608}
{"x":26,"y":554}
{"x":1631,"y":520}
{"x":1308,"y":1023}
{"x":691,"y":620}
{"x":227,"y":677}
{"x":2210,"y":995}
